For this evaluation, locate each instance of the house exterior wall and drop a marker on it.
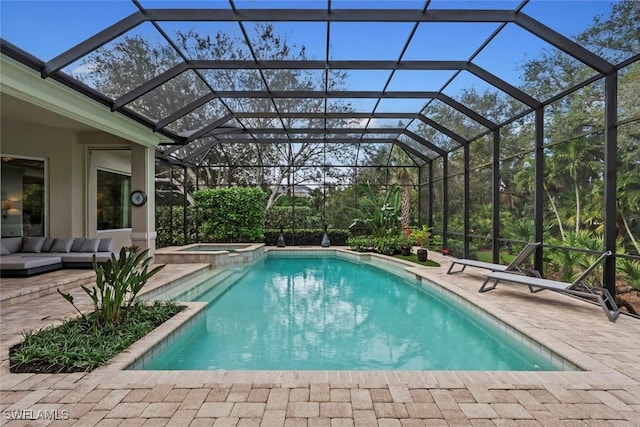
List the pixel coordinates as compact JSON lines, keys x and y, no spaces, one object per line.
{"x":88,"y":126}
{"x":73,"y":159}
{"x":65,"y":180}
{"x":118,"y":161}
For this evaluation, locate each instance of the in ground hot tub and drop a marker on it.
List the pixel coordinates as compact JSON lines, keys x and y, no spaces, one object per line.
{"x":216,"y":254}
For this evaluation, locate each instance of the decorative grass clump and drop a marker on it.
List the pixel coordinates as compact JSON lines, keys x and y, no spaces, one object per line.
{"x":414,"y":258}
{"x":78,"y":346}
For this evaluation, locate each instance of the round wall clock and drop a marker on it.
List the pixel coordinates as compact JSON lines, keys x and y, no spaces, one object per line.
{"x":138,"y":198}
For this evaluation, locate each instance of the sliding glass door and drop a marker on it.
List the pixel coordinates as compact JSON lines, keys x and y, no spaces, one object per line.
{"x":23,"y":197}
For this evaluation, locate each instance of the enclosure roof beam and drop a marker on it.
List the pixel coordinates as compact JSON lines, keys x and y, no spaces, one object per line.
{"x":424,"y":142}
{"x":213,"y":143}
{"x":213,"y":129}
{"x":92,"y":43}
{"x":437,"y":126}
{"x":313,"y":64}
{"x":273,"y":15}
{"x":345,"y":140}
{"x":563,"y":43}
{"x":316,"y":131}
{"x":353,"y":65}
{"x":337,"y":131}
{"x":507,"y":88}
{"x":333,"y":15}
{"x":184,"y":110}
{"x":412,"y":150}
{"x":208,"y":146}
{"x":321,"y":115}
{"x":335,"y":94}
{"x":467,"y":111}
{"x":149,"y":85}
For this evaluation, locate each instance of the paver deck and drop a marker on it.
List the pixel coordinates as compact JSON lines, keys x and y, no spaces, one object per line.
{"x":607,"y":393}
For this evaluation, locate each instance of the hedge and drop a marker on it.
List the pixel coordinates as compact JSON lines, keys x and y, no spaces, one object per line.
{"x":232,"y":214}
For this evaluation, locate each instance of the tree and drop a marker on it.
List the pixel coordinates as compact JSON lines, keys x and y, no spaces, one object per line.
{"x":132,"y":60}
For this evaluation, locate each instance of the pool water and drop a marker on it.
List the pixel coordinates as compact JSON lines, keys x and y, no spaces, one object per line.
{"x":333,"y":314}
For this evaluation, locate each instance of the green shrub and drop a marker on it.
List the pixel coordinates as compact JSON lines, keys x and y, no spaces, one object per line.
{"x":118,"y":282}
{"x":361,"y":243}
{"x":630,"y":272}
{"x":234,"y":214}
{"x":302,"y":217}
{"x":387,"y":245}
{"x":169,"y":226}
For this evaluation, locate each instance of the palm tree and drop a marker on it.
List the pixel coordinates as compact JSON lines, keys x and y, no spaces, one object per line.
{"x":525,"y":181}
{"x":404,"y":180}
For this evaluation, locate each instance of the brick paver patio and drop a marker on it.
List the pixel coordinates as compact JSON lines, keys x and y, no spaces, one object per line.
{"x":606,"y":393}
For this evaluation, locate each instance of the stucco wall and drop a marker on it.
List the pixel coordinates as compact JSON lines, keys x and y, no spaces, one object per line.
{"x":65,"y":183}
{"x":114,"y":161}
{"x":71,"y":173}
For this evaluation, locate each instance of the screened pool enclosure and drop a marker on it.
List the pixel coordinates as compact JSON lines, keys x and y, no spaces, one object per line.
{"x":506,"y":121}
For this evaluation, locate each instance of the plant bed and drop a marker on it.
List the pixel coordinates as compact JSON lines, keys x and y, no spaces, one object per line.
{"x":414,"y":258}
{"x":78,"y":346}
{"x":117,"y":321}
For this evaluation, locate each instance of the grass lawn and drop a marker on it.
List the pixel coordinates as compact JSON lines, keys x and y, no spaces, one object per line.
{"x":414,"y":258}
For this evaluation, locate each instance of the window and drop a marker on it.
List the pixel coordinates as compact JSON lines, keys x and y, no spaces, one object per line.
{"x":113,"y":211}
{"x":23,"y":197}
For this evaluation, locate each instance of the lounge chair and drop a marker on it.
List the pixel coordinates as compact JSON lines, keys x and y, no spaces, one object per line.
{"x":537,"y":284}
{"x":514,"y":266}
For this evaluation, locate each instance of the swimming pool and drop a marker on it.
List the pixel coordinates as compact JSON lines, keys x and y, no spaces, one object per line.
{"x":332,"y":314}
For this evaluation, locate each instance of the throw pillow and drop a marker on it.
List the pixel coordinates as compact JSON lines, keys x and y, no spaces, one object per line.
{"x":4,"y":250}
{"x":61,"y":245}
{"x":90,"y":245}
{"x":32,"y":244}
{"x":48,"y":242}
{"x":77,"y":244}
{"x":106,"y":244}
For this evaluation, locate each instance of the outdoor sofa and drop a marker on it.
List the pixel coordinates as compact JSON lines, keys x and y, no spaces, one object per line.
{"x":26,"y":256}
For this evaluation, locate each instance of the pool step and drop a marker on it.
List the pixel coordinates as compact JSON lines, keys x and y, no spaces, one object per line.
{"x":206,"y":289}
{"x":213,"y":291}
{"x":171,"y":290}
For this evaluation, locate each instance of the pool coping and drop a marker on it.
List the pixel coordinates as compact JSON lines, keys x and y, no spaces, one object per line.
{"x":593,"y":370}
{"x":187,"y":248}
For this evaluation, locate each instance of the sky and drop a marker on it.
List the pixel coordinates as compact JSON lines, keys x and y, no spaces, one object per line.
{"x":48,"y":28}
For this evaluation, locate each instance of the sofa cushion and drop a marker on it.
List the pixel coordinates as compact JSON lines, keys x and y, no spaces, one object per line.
{"x":48,"y":242}
{"x":106,"y":244}
{"x":61,"y":245}
{"x":32,"y":244}
{"x":13,"y":244}
{"x":15,"y":262}
{"x":90,"y":245}
{"x":85,"y":257}
{"x":4,"y":250}
{"x":77,"y":244}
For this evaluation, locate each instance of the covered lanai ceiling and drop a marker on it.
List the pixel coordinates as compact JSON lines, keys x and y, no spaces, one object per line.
{"x":213,"y":74}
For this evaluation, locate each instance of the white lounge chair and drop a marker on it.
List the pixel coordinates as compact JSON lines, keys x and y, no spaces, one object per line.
{"x":513,"y":266}
{"x":537,"y":284}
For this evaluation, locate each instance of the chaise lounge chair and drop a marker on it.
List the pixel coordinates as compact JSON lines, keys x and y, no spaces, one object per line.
{"x":514,"y":266}
{"x":537,"y":284}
